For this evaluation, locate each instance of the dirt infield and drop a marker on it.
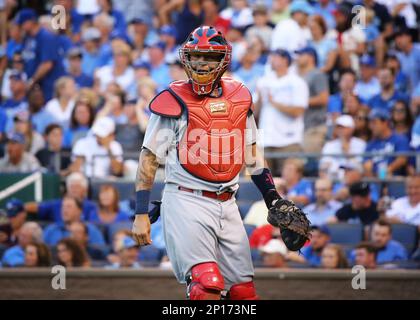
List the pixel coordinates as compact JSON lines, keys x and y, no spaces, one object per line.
{"x":159,"y":284}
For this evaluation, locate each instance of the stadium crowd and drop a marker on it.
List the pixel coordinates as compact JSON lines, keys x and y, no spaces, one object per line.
{"x":325,"y":79}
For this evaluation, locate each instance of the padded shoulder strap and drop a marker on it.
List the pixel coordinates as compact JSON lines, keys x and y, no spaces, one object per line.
{"x":166,"y":105}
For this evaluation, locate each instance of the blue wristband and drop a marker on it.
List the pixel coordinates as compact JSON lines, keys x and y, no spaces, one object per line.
{"x":142,"y":201}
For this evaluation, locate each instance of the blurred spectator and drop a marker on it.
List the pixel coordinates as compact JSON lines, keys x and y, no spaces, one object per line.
{"x":250,"y":69}
{"x":299,"y":189}
{"x":62,"y":105}
{"x":312,"y":254}
{"x":16,"y":68}
{"x":402,"y":82}
{"x":108,"y":201}
{"x":401,"y":119}
{"x":333,"y":257}
{"x":212,"y":16}
{"x":43,"y":60}
{"x":350,"y":37}
{"x":282,"y":100}
{"x":37,"y":255}
{"x":407,"y":209}
{"x":361,"y":125}
{"x":22,"y":125}
{"x":114,"y":107}
{"x":326,"y":48}
{"x":368,"y":85}
{"x":141,"y":71}
{"x":365,"y":255}
{"x":80,"y":232}
{"x":274,"y":254}
{"x":17,"y":102}
{"x":92,"y":57}
{"x":261,"y":27}
{"x":346,"y":87}
{"x":292,"y":34}
{"x":239,"y":14}
{"x":167,"y":34}
{"x":384,"y":141}
{"x":77,"y":187}
{"x":81,"y":121}
{"x":352,"y":173}
{"x":257,"y":214}
{"x":382,"y":17}
{"x":17,"y":160}
{"x":131,"y":134}
{"x":324,"y":207}
{"x":159,"y":71}
{"x":120,"y":71}
{"x":16,"y":215}
{"x":261,"y":235}
{"x":177,"y":72}
{"x":15,"y":256}
{"x":345,"y":144}
{"x":408,"y":55}
{"x":315,"y":115}
{"x":188,"y":15}
{"x":75,"y":56}
{"x":279,"y":11}
{"x":362,"y":208}
{"x":54,"y":157}
{"x":71,"y":211}
{"x":40,"y":117}
{"x":106,"y":6}
{"x":326,"y":9}
{"x":105,"y":24}
{"x":388,"y":95}
{"x":388,"y":250}
{"x":235,"y":36}
{"x":127,"y":251}
{"x":71,"y":254}
{"x":99,"y":155}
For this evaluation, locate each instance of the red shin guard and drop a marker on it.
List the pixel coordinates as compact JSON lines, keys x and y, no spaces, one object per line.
{"x":243,"y":291}
{"x":206,"y":282}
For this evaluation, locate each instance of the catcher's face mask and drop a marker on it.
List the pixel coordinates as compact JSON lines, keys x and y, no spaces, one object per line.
{"x":205,"y":57}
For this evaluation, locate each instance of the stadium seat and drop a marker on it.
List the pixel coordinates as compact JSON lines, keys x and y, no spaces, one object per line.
{"x":114,"y":228}
{"x":248,"y":192}
{"x":249,"y":228}
{"x":346,"y":233}
{"x":396,"y":189}
{"x":150,"y":254}
{"x":406,"y":234}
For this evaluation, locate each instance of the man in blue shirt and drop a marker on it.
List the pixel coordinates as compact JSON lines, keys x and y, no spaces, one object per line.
{"x":92,"y":56}
{"x":77,"y":186}
{"x":159,"y":69}
{"x":384,"y":141}
{"x":409,"y":55}
{"x":17,"y":102}
{"x":388,"y":95}
{"x":82,"y":80}
{"x":43,"y":60}
{"x":346,"y":86}
{"x":320,"y":238}
{"x":15,"y":256}
{"x":71,"y":211}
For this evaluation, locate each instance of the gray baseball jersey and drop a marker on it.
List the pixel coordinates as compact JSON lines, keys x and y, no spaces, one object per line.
{"x":198,"y":229}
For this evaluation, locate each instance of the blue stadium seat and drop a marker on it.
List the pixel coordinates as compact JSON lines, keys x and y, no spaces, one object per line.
{"x":396,"y":189}
{"x":248,"y":192}
{"x":115,"y":227}
{"x":406,"y":234}
{"x":156,"y":193}
{"x":244,"y":208}
{"x":249,"y":228}
{"x":150,"y":253}
{"x":346,"y":233}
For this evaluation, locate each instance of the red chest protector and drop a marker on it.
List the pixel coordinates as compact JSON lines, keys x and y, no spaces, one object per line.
{"x":213,"y":145}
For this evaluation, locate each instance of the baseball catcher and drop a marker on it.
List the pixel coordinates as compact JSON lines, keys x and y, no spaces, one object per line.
{"x":205,"y":131}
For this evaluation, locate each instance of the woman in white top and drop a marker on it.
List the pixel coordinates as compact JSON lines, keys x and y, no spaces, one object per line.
{"x":120,"y":71}
{"x":62,"y":105}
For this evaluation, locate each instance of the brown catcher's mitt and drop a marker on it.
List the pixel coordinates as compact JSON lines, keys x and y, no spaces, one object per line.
{"x":292,"y":221}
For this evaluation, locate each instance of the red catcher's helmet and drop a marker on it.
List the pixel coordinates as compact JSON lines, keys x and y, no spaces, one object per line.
{"x":205,"y":40}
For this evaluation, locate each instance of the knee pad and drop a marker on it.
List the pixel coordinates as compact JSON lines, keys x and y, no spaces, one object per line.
{"x":243,"y":291}
{"x":206,"y":282}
